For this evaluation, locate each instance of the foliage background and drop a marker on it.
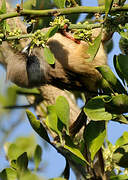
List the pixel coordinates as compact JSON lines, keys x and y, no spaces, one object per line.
{"x":15,"y":126}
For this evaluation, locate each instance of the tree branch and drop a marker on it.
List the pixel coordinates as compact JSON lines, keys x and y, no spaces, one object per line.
{"x":71,"y":26}
{"x":72,"y":10}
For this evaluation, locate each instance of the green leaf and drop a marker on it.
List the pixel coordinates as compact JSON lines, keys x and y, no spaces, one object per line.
{"x":33,"y":91}
{"x":22,"y":162}
{"x":3,"y":9}
{"x":29,"y":176}
{"x":123,"y":35}
{"x":63,"y":111}
{"x":3,"y":100}
{"x":11,"y":154}
{"x":95,"y":109}
{"x":37,"y":156}
{"x":94,"y":136}
{"x":3,"y":24}
{"x":53,"y":30}
{"x":119,"y":177}
{"x":70,"y":146}
{"x":75,"y":151}
{"x":120,"y":118}
{"x":21,"y":145}
{"x":122,"y":140}
{"x":37,"y":126}
{"x":26,"y":144}
{"x":52,"y":121}
{"x":109,"y":76}
{"x":93,"y":48}
{"x":118,"y":104}
{"x":123,"y":44}
{"x":108,"y":5}
{"x":8,"y":174}
{"x":117,"y":68}
{"x":13,"y":164}
{"x":109,"y":46}
{"x":122,"y":61}
{"x":11,"y":96}
{"x":120,"y":156}
{"x":49,"y":56}
{"x":8,"y":29}
{"x":60,"y":3}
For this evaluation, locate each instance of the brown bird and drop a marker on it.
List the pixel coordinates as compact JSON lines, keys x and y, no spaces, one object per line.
{"x":71,"y":70}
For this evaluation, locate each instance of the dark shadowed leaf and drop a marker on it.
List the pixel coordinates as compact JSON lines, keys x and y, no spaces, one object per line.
{"x":94,"y":136}
{"x":93,"y":48}
{"x":123,"y":43}
{"x":49,"y":56}
{"x":22,"y":162}
{"x":37,"y":126}
{"x":109,"y":46}
{"x":8,"y":174}
{"x":109,"y":76}
{"x":118,"y":104}
{"x":63,"y":111}
{"x":59,"y":3}
{"x":37,"y":156}
{"x":120,"y":156}
{"x":117,"y":68}
{"x":122,"y":62}
{"x":95,"y":109}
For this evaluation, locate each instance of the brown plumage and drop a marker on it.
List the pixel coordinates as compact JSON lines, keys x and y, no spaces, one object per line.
{"x":71,"y":69}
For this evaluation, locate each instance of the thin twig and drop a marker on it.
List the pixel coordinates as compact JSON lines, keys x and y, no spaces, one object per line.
{"x":71,"y":26}
{"x":74,"y":3}
{"x":19,"y":106}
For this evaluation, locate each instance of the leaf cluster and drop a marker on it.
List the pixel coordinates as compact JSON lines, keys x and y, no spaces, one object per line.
{"x":110,"y":104}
